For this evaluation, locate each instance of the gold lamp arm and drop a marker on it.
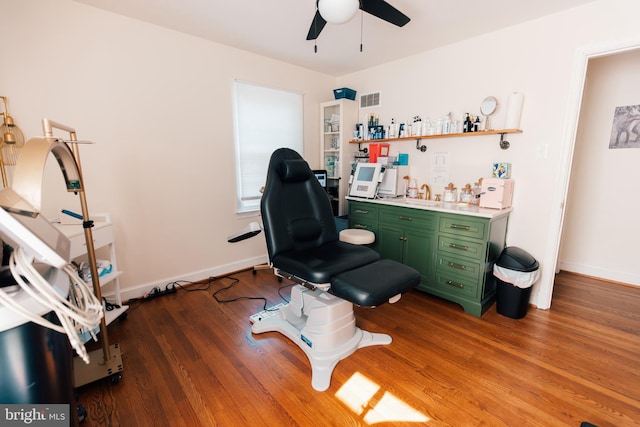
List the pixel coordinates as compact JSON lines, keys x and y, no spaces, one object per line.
{"x":8,"y":137}
{"x":5,"y":115}
{"x":87,"y":223}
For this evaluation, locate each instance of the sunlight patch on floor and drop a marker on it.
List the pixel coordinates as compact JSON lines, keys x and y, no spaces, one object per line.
{"x":357,"y":393}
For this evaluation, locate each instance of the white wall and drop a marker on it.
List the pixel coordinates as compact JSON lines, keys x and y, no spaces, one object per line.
{"x":602,"y":207}
{"x":534,"y":58}
{"x":158,"y":105}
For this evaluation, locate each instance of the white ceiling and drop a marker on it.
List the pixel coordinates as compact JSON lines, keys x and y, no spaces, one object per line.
{"x":278,"y":28}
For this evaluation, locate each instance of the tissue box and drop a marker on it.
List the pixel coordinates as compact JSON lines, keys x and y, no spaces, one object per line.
{"x":501,"y":170}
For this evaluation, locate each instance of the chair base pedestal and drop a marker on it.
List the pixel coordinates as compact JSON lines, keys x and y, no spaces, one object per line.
{"x":324,"y":327}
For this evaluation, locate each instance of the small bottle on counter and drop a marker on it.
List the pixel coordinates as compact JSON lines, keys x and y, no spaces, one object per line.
{"x":413,"y":189}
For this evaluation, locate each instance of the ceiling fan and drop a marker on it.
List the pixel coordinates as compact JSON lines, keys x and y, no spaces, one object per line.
{"x":341,"y":11}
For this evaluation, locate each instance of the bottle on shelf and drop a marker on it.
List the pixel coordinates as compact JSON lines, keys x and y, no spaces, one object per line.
{"x":466,"y":125}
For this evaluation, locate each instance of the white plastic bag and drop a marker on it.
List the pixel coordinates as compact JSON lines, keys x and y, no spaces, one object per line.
{"x":521,"y":279}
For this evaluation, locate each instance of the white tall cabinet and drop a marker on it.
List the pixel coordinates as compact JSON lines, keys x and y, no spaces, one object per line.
{"x":337,"y":122}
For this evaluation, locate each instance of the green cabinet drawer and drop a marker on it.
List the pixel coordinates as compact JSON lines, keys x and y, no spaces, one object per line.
{"x":408,"y":218}
{"x":363,"y":211}
{"x":363,"y":216}
{"x":461,"y":247}
{"x":464,"y":267}
{"x":460,"y":225}
{"x":363,"y":225}
{"x":455,"y":285}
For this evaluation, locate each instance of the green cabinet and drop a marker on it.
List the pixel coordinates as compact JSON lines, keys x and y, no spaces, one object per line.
{"x":408,"y":236}
{"x":466,"y":251}
{"x":454,"y":252}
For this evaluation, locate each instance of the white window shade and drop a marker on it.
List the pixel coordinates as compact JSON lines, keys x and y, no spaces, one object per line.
{"x":265,"y":119}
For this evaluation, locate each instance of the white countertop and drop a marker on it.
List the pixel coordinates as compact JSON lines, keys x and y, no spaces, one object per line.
{"x":430,"y":205}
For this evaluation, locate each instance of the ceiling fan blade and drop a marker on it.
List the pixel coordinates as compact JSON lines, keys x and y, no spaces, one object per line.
{"x":316,"y":26}
{"x":384,"y":11}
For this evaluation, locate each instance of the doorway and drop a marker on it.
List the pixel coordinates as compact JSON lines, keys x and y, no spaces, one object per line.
{"x":576,"y":93}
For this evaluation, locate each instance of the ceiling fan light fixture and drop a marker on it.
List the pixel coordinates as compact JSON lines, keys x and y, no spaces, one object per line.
{"x":338,"y":11}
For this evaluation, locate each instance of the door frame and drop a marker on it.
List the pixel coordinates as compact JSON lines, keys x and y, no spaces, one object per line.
{"x":567,"y":148}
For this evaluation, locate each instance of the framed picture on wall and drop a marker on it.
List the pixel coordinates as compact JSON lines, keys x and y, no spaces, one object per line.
{"x":625,"y":131}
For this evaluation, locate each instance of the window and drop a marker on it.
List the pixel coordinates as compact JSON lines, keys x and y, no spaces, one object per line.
{"x":265,"y":119}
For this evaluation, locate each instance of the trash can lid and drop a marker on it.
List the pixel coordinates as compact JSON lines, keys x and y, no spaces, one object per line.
{"x":517,"y":259}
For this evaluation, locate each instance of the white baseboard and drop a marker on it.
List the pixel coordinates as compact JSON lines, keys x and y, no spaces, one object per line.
{"x":615,"y":276}
{"x":137,"y":291}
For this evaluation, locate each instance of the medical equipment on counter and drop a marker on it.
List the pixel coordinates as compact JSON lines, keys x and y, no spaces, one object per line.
{"x":393,"y":182}
{"x":365,"y":180}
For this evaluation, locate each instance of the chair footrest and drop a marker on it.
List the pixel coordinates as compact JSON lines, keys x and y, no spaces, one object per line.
{"x":375,"y":283}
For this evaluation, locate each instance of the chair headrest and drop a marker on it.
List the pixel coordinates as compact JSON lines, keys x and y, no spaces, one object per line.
{"x":294,"y":170}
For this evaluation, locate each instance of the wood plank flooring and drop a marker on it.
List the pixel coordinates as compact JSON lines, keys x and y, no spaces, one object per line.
{"x":191,"y":361}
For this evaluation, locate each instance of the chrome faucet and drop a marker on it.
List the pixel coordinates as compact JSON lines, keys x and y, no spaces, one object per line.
{"x":427,"y":193}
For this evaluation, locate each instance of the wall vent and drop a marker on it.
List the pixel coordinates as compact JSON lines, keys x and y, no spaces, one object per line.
{"x":370,"y":100}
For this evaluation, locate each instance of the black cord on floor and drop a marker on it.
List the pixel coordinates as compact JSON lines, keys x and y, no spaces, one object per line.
{"x":281,"y":288}
{"x":205,"y":286}
{"x":235,"y":281}
{"x":179,"y":284}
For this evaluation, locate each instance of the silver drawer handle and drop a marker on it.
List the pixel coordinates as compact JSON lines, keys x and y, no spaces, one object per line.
{"x":460,"y":227}
{"x":462,"y":248}
{"x":405,"y":218}
{"x":360,"y":226}
{"x":454,"y":284}
{"x":361,"y":211}
{"x":458,"y":266}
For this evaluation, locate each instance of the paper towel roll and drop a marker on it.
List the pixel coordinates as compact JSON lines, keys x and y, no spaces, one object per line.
{"x":514,"y":111}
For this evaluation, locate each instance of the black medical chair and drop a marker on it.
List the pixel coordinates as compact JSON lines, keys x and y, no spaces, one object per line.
{"x":331,"y":276}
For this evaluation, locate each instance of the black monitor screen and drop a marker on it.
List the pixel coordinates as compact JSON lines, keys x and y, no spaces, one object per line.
{"x":322,"y":177}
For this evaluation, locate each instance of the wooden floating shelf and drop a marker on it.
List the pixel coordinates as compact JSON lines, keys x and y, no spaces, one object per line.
{"x":440,"y":135}
{"x":504,"y":144}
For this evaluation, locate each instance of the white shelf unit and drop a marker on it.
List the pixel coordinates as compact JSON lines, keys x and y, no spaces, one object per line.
{"x":103,"y":238}
{"x":336,"y":154}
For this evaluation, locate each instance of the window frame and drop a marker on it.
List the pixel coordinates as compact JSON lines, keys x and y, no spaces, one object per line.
{"x":252,"y":150}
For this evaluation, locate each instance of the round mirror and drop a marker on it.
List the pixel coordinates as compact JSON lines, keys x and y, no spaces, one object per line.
{"x":487,"y":108}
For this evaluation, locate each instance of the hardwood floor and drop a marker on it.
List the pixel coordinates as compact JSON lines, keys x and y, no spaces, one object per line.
{"x":189,"y":361}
